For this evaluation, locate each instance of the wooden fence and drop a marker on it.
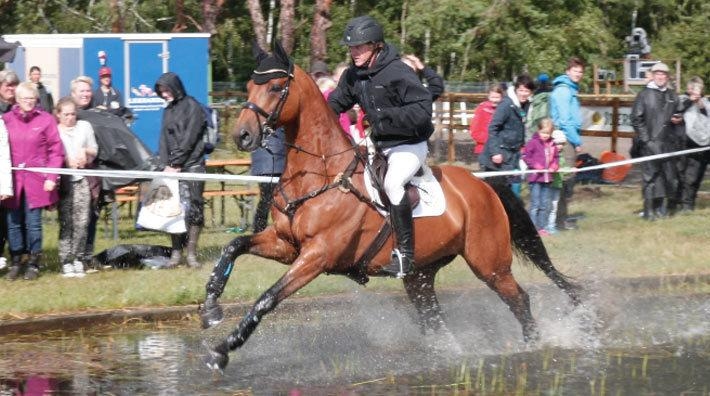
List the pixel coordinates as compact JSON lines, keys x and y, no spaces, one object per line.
{"x":453,"y":112}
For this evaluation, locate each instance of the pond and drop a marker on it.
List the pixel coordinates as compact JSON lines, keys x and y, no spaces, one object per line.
{"x":366,"y":343}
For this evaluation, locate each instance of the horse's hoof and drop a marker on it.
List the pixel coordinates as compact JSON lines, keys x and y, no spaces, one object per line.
{"x":217,"y":357}
{"x":211,"y":313}
{"x":531,"y":336}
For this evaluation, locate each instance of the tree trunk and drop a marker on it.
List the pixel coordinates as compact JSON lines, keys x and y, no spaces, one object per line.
{"x":321,"y":23}
{"x":117,"y":23}
{"x":257,"y":20}
{"x":210,"y":11}
{"x":286,"y":25}
{"x":180,"y":19}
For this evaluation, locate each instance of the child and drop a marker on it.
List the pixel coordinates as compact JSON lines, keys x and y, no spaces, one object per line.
{"x":482,"y":117}
{"x":558,"y":137}
{"x":541,"y":154}
{"x":75,"y":204}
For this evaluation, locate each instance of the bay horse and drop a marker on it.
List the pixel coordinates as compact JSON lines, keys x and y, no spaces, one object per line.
{"x":323,"y":223}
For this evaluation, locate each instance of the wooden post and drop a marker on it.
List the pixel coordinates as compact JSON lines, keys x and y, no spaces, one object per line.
{"x":451,"y":152}
{"x":595,"y":71}
{"x":614,"y":123}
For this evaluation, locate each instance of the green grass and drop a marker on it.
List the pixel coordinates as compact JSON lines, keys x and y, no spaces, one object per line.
{"x":612,"y":241}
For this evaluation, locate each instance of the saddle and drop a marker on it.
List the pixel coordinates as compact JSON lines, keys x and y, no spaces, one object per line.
{"x":379,"y":170}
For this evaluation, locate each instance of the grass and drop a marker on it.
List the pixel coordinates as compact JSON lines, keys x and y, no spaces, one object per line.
{"x":612,"y":241}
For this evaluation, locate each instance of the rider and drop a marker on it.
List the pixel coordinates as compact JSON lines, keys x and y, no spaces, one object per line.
{"x":398,"y":108}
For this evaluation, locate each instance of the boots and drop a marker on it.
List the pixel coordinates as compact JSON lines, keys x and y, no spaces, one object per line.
{"x":648,"y":210}
{"x":17,"y":267}
{"x":32,"y":271}
{"x":176,"y":255}
{"x":192,"y":235}
{"x":403,"y":257}
{"x":659,"y":206}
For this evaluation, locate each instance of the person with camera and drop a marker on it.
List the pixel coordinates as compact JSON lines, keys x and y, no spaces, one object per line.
{"x":696,"y":121}
{"x":654,"y":118}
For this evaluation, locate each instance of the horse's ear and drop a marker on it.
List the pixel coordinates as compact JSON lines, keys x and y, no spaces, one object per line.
{"x":258,"y":52}
{"x":280,"y":53}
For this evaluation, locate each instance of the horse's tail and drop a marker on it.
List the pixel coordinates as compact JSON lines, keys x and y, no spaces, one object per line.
{"x":527,"y":242}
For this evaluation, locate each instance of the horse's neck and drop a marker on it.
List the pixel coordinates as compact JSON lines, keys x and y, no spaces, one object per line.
{"x":318,"y":133}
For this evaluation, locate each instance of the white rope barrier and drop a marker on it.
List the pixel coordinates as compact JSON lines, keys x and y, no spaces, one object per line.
{"x":244,"y":179}
{"x":595,"y":167}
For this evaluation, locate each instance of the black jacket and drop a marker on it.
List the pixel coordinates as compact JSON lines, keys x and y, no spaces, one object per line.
{"x":397,"y":105}
{"x":506,"y":135}
{"x":651,"y":119}
{"x":181,"y":132}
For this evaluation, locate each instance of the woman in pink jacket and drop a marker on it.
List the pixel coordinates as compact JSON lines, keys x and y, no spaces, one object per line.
{"x":34,"y":142}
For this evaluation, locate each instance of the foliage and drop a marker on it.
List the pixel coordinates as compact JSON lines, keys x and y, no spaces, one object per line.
{"x":482,"y":41}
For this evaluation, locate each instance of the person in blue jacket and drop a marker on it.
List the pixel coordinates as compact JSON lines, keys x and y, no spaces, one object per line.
{"x":566,"y":113}
{"x":269,"y":160}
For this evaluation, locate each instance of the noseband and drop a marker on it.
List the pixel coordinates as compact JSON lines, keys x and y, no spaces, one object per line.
{"x":266,"y":128}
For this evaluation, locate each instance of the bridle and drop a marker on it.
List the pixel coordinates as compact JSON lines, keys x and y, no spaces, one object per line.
{"x":266,"y":128}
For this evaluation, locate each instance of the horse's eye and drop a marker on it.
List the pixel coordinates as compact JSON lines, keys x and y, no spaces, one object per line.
{"x":276,"y":88}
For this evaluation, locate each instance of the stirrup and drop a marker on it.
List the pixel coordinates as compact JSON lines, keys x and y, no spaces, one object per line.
{"x":396,"y":267}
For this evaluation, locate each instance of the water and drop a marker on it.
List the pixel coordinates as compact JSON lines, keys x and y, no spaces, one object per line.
{"x":620,"y":343}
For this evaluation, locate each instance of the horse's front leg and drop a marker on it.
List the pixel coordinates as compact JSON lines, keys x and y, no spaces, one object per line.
{"x":306,"y":268}
{"x":211,"y":312}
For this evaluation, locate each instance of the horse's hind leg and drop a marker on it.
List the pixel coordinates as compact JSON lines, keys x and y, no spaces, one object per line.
{"x":517,"y":299}
{"x":420,"y":290}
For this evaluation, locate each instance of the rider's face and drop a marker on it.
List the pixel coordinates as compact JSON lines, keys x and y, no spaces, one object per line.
{"x":362,"y":53}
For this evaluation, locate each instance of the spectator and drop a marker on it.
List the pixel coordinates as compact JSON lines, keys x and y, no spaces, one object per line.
{"x":5,"y":180}
{"x":34,"y":142}
{"x":482,"y":117}
{"x":695,"y":109}
{"x":46,"y":101}
{"x":398,"y":109}
{"x":506,"y":133}
{"x":556,"y":187}
{"x":81,"y":94}
{"x":432,"y":80}
{"x":319,"y":69}
{"x":182,"y":149}
{"x":541,"y":154}
{"x":75,"y":193}
{"x":107,"y":97}
{"x":539,"y":104}
{"x":8,"y":84}
{"x":269,"y":160}
{"x":654,"y":117}
{"x":566,"y":113}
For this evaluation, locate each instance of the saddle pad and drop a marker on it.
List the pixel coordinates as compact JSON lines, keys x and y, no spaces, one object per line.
{"x":432,"y":201}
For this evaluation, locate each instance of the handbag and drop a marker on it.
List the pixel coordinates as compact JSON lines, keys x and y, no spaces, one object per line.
{"x":161,"y":209}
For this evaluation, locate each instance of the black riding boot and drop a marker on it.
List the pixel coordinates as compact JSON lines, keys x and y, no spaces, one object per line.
{"x":192,"y":235}
{"x":659,"y":206}
{"x":17,"y":267}
{"x":177,"y":241}
{"x":403,"y":257}
{"x":648,"y":210}
{"x":33,"y":265}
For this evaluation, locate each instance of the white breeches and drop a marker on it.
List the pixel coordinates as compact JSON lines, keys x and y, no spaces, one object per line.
{"x":403,"y":162}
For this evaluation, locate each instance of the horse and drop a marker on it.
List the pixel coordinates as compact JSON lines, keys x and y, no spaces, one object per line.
{"x":323,"y":223}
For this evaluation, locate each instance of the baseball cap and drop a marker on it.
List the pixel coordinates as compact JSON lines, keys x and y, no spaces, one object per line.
{"x":104,"y":71}
{"x":660,"y":67}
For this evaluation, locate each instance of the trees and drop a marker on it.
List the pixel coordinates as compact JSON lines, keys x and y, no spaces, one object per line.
{"x":474,"y":40}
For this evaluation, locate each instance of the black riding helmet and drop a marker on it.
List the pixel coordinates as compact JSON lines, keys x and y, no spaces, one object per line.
{"x":361,"y":30}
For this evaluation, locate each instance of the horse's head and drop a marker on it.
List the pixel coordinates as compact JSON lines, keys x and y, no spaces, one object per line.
{"x":268,"y":104}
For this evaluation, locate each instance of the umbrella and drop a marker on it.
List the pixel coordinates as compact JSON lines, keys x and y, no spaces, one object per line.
{"x":131,"y":256}
{"x":7,"y":50}
{"x":119,"y":147}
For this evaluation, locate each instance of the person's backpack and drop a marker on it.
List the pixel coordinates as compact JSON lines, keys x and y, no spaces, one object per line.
{"x":211,"y":136}
{"x":540,"y":105}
